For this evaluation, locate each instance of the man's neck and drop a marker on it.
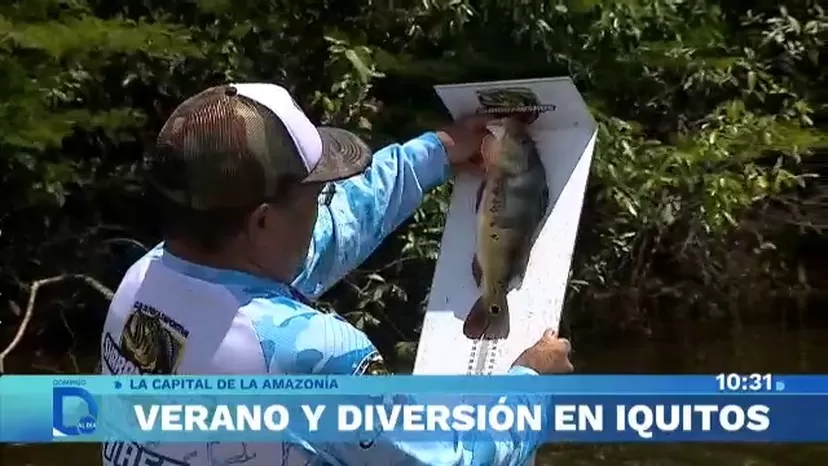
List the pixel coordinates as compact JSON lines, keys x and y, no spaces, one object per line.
{"x":217,"y":260}
{"x":226,"y":259}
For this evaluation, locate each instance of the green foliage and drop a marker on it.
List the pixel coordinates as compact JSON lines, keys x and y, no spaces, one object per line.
{"x":705,"y":108}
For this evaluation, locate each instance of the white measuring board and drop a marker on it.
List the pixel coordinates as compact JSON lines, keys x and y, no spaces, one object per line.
{"x":565,"y":137}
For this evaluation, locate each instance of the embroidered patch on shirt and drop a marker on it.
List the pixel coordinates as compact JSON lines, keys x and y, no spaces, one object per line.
{"x":373,"y":364}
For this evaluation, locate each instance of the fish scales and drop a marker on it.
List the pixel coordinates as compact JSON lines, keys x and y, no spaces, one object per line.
{"x":516,"y":204}
{"x":512,"y":201}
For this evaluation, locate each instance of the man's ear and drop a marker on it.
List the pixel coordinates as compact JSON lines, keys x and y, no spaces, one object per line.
{"x":259,"y":218}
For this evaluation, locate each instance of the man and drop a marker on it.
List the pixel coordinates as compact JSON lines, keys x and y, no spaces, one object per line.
{"x":262,"y":211}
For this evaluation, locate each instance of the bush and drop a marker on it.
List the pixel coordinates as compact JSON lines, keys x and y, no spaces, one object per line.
{"x":705,"y":111}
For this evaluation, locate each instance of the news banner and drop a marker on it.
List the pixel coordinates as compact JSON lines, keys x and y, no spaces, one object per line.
{"x":572,"y":408}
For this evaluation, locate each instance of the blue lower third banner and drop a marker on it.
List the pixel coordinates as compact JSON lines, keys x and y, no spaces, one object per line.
{"x":413,"y":409}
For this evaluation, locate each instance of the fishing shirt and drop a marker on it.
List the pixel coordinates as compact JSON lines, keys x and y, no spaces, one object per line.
{"x":171,"y":316}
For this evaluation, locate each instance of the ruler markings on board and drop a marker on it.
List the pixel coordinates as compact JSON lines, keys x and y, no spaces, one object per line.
{"x":482,"y":357}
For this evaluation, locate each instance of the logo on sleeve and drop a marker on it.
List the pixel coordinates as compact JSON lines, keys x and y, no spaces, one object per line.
{"x":372,"y":364}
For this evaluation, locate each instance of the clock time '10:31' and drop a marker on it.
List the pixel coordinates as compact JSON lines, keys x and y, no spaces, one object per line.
{"x":745,"y":382}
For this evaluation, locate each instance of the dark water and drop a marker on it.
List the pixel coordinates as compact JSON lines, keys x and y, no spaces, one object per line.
{"x":752,"y":349}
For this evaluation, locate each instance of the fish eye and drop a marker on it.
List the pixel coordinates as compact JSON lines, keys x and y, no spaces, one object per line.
{"x":495,"y":309}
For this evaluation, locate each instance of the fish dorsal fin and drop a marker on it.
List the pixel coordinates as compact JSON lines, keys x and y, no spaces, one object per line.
{"x":544,"y":202}
{"x":477,"y":272}
{"x":479,"y":196}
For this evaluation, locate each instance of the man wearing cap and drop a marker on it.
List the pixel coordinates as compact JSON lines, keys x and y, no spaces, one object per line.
{"x":262,"y":211}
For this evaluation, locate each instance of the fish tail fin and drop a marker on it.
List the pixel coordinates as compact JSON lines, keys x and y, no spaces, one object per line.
{"x":488,"y":322}
{"x":498,"y":327}
{"x":499,"y":305}
{"x":476,"y":321}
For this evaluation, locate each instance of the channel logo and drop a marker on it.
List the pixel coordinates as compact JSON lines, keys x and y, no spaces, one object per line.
{"x":74,"y":412}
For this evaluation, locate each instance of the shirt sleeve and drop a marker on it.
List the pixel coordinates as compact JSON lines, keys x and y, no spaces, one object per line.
{"x":366,"y":208}
{"x":297,"y":339}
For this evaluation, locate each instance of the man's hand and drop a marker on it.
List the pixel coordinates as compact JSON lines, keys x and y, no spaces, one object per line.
{"x":550,"y":355}
{"x":463,"y":139}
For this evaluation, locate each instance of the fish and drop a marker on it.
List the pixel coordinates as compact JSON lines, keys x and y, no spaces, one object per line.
{"x":511,"y":203}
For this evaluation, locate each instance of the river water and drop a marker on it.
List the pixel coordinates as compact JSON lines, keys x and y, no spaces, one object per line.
{"x":773,"y":348}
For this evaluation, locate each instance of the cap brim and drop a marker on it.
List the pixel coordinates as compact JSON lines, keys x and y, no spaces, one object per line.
{"x":344,"y":155}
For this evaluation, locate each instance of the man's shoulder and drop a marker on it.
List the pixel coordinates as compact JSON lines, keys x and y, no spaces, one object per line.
{"x":297,"y":338}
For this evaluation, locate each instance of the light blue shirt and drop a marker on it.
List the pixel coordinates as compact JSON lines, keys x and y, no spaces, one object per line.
{"x":291,"y":337}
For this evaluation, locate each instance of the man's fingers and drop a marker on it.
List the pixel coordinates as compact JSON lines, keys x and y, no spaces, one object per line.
{"x":552,"y":335}
{"x":476,"y":122}
{"x":480,"y":120}
{"x":566,"y":344}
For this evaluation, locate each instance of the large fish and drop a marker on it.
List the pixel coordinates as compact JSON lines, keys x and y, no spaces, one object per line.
{"x":511,"y":203}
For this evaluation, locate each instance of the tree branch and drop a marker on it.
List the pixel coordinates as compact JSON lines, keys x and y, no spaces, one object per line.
{"x":33,"y":289}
